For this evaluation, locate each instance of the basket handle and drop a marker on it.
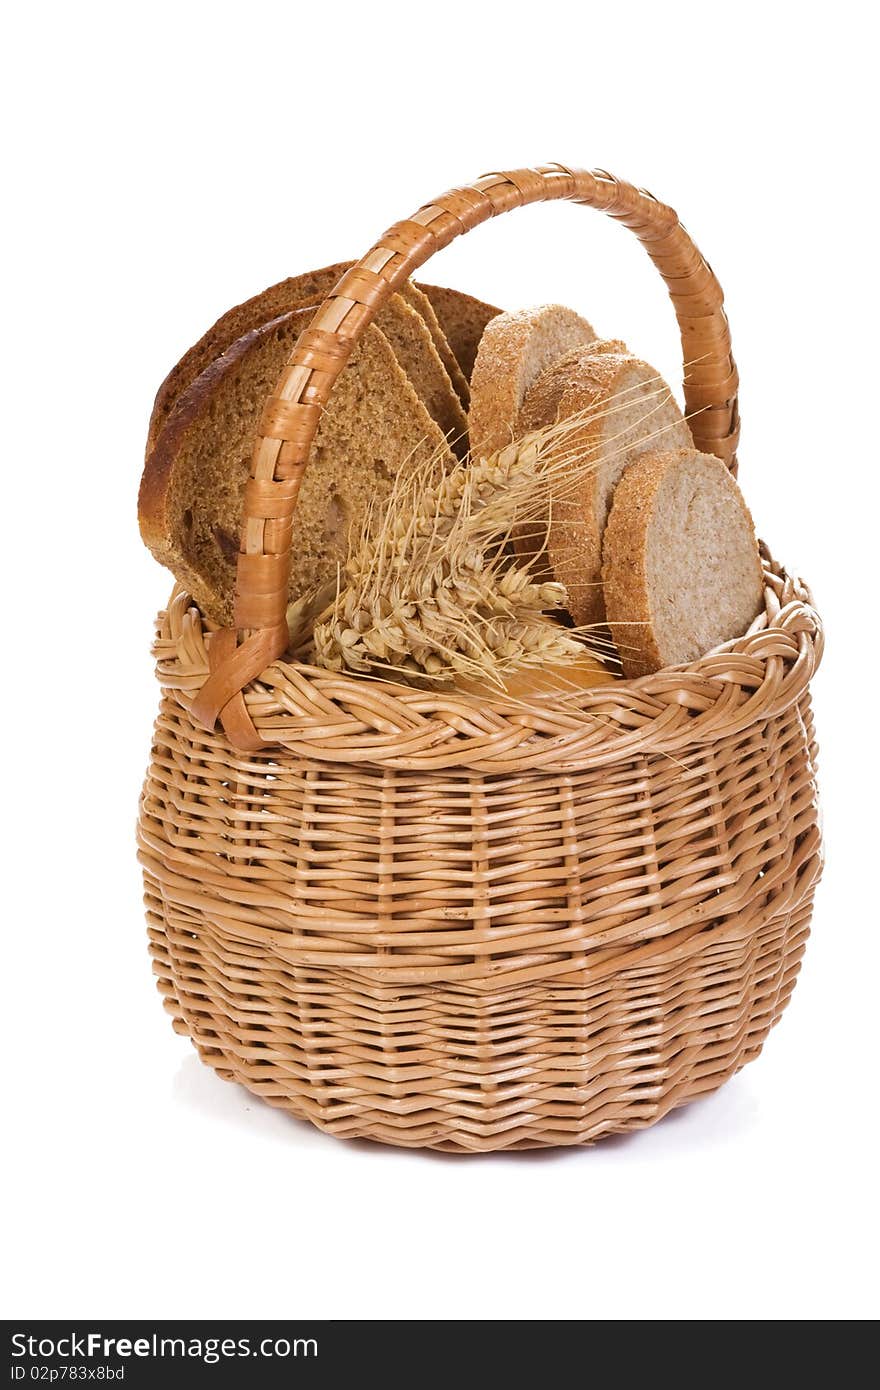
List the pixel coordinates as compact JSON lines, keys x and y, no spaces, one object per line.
{"x":291,"y":416}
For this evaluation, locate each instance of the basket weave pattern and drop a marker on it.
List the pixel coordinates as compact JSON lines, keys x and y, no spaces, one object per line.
{"x":474,"y":924}
{"x":411,"y":948}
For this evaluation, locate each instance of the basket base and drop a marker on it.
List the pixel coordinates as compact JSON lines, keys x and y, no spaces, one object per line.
{"x":570,"y":1065}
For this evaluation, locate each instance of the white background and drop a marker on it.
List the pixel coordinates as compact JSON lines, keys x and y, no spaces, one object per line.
{"x":168,"y":160}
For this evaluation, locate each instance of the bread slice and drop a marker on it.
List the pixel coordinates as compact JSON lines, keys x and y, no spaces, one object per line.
{"x":541,"y":404}
{"x":299,"y":291}
{"x":261,"y":308}
{"x":627,"y":410}
{"x":408,"y":335}
{"x":190,"y":504}
{"x":463,"y":320}
{"x":418,"y":300}
{"x":514,"y":349}
{"x":682,"y":571}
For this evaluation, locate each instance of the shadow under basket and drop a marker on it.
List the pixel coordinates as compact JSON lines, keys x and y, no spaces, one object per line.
{"x":471,"y":924}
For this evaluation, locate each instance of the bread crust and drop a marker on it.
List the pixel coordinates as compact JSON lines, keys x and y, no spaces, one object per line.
{"x":624,"y":567}
{"x":154,"y":491}
{"x":514,"y":349}
{"x":297,"y":291}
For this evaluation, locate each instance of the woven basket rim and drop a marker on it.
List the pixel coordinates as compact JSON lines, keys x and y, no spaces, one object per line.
{"x":334,"y":717}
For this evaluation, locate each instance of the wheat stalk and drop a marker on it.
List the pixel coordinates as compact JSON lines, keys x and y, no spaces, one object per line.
{"x":429,"y":590}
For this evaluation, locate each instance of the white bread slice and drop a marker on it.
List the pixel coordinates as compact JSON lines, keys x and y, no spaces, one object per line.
{"x":682,"y":571}
{"x":190,"y":503}
{"x":514,"y":350}
{"x":627,"y":410}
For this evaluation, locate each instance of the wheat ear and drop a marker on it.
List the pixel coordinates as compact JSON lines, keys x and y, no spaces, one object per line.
{"x":429,"y":593}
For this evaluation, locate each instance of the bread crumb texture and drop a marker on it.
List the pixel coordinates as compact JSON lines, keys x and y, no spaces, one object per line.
{"x":682,"y":570}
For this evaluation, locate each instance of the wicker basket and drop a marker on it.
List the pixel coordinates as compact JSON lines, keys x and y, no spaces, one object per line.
{"x":442,"y":921}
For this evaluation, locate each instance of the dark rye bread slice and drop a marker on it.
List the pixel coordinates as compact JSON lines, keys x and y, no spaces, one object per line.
{"x":422,"y":353}
{"x":681,"y":568}
{"x":627,"y":410}
{"x":190,"y":503}
{"x":241,"y":318}
{"x":463,"y":320}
